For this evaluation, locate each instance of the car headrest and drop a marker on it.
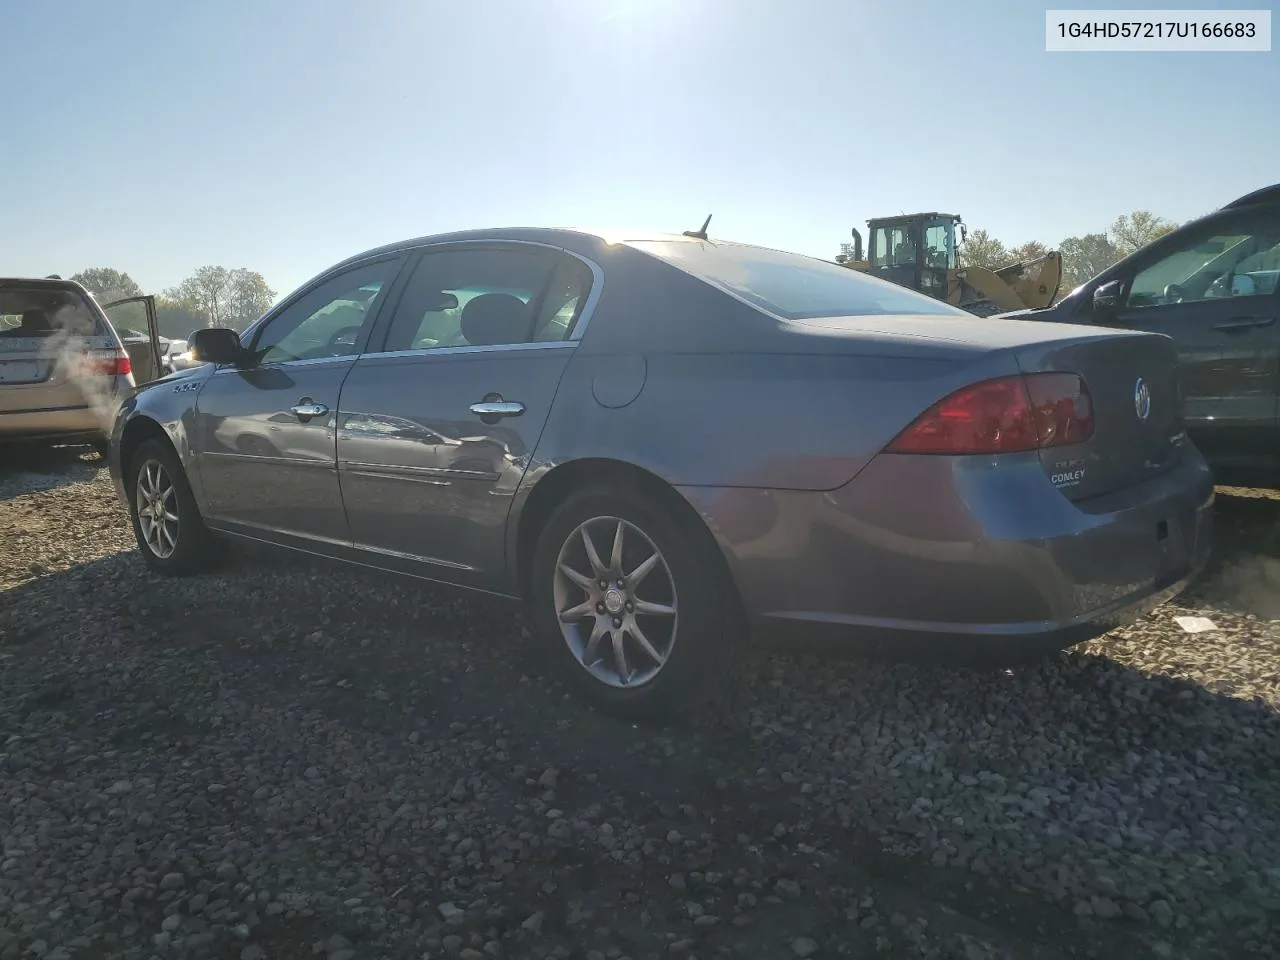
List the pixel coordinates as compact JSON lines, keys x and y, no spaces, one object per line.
{"x":495,"y":318}
{"x":35,"y":321}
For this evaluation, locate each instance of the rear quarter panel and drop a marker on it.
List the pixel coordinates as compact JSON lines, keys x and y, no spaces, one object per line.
{"x":695,"y":386}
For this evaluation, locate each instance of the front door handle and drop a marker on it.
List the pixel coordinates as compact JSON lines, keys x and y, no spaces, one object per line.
{"x":306,"y":408}
{"x":1244,"y":323}
{"x":497,"y":408}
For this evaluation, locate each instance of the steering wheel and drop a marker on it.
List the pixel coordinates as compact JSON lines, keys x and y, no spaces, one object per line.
{"x":1173,"y":293}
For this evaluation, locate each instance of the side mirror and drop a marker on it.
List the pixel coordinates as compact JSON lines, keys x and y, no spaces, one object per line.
{"x":217,"y":345}
{"x":1106,"y":299}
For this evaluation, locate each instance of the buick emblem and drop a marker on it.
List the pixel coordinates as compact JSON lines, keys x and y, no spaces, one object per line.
{"x":1141,"y":399}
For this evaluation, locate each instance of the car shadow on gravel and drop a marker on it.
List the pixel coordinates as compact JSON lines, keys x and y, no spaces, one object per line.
{"x":27,"y":468}
{"x":1024,"y":808}
{"x":1243,"y":575}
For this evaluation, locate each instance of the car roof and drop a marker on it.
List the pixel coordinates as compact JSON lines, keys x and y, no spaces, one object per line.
{"x":48,"y":283}
{"x":1269,"y":194}
{"x":574,"y":239}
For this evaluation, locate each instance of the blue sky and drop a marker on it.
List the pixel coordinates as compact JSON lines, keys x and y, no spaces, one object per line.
{"x":154,"y":136}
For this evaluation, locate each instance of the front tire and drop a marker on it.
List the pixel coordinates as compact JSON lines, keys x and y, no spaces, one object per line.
{"x":167,"y":524}
{"x":632,"y":604}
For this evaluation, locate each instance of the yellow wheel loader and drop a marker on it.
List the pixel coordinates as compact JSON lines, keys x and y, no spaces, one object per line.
{"x":919,"y":250}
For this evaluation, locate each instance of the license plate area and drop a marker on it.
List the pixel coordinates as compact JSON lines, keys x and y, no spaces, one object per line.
{"x":23,"y":371}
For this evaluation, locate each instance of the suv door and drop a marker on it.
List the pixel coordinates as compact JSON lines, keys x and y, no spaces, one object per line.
{"x":439,"y":421}
{"x":265,"y":429}
{"x":1213,"y":291}
{"x":134,"y":320}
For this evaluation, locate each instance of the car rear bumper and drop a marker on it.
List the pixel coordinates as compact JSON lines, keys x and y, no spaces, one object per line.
{"x":66,"y":424}
{"x":937,"y":557}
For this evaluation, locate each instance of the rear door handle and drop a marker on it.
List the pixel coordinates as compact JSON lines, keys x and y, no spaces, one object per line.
{"x":497,"y":408}
{"x":1244,"y":323}
{"x":306,"y":408}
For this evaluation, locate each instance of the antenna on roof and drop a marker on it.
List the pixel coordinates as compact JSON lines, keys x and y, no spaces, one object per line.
{"x":701,"y":233}
{"x":53,"y":276}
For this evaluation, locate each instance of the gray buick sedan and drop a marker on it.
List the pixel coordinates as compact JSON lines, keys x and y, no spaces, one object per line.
{"x":663,"y":445}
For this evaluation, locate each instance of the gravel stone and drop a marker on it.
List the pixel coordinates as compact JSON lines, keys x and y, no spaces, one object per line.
{"x":211,"y":766}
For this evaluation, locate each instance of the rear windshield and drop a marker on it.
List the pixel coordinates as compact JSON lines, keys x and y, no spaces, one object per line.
{"x":791,"y":286}
{"x":41,"y":312}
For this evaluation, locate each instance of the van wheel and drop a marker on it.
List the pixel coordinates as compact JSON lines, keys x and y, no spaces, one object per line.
{"x":631,"y":605}
{"x":167,"y":524}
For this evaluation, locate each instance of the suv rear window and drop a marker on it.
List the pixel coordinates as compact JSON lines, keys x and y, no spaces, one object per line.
{"x":39,"y":311}
{"x":791,"y":286}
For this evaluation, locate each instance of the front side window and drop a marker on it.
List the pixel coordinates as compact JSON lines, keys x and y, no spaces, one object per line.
{"x":486,"y":297}
{"x":329,"y":319}
{"x":894,"y":247}
{"x":790,"y":286}
{"x":1237,"y":259}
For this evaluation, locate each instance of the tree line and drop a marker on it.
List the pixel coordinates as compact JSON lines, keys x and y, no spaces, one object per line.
{"x":1083,"y":257}
{"x":212,"y":296}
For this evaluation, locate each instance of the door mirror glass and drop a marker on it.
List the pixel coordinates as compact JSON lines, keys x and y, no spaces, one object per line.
{"x":1106,"y":299}
{"x":219,"y":345}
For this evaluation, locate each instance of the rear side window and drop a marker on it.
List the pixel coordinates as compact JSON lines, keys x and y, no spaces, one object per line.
{"x":791,"y":286}
{"x":40,"y":312}
{"x":469,"y":297}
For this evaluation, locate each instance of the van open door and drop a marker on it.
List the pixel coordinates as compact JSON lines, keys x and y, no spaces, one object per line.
{"x":134,"y":320}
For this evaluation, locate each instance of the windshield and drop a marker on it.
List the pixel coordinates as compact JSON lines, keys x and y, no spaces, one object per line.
{"x":790,"y":286}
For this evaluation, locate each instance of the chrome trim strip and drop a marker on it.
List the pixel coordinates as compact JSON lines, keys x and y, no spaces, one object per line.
{"x":233,"y":530}
{"x":378,"y":475}
{"x":451,"y":351}
{"x":289,"y":364}
{"x":406,"y":472}
{"x":229,"y":526}
{"x":413,"y":557}
{"x":584,"y":316}
{"x":258,"y":458}
{"x":345,"y":544}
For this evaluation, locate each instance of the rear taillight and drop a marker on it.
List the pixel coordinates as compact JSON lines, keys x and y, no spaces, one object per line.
{"x":111,"y":364}
{"x":1003,"y":416}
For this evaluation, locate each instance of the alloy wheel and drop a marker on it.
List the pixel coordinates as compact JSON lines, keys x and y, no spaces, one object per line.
{"x":617,"y":612}
{"x":157,"y":503}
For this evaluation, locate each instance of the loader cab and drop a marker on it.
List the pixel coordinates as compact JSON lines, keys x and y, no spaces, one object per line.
{"x":916,"y":251}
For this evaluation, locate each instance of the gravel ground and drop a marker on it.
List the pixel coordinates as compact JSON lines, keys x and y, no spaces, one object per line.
{"x":286,"y":760}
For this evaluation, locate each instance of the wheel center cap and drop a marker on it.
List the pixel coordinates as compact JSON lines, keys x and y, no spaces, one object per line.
{"x":614,"y":600}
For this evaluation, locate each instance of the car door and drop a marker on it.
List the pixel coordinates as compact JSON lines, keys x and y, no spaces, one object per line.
{"x":1208,"y":291}
{"x":438,"y":424}
{"x":134,"y":320}
{"x":265,"y":446}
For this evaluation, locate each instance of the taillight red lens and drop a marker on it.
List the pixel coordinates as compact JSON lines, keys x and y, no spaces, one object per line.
{"x":1008,"y":415}
{"x":107,"y":365}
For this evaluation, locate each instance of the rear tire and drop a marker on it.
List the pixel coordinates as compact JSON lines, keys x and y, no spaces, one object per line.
{"x":167,"y":525}
{"x":665,"y":593}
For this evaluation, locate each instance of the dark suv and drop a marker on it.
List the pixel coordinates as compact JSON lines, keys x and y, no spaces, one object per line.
{"x":1212,"y":286}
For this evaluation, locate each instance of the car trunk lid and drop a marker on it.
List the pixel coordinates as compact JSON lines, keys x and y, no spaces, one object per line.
{"x":1132,"y":382}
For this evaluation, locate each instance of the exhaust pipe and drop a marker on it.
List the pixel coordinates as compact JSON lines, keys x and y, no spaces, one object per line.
{"x":857,"y":244}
